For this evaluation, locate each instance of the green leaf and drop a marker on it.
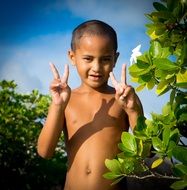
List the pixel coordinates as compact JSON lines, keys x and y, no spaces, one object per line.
{"x":165,"y":52}
{"x":182,"y":168}
{"x":172,"y":96}
{"x":165,"y":64}
{"x":162,"y":15}
{"x":175,"y":135}
{"x":179,"y":184}
{"x":138,"y":69}
{"x":129,"y":142}
{"x":113,"y":166}
{"x":162,"y":85}
{"x":111,"y":175}
{"x":166,"y":110}
{"x":155,"y":49}
{"x":180,"y":152}
{"x":157,"y":144}
{"x":150,"y":85}
{"x":170,"y":148}
{"x":156,"y":163}
{"x":159,"y":7}
{"x":128,"y":166}
{"x":172,"y":4}
{"x":181,"y":85}
{"x":183,"y":117}
{"x":121,"y":147}
{"x":166,"y":136}
{"x":184,"y":54}
{"x":162,"y":90}
{"x":118,"y":180}
{"x":140,"y":87}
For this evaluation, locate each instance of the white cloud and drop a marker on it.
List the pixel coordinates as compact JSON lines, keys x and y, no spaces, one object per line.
{"x":118,"y":13}
{"x":28,"y":64}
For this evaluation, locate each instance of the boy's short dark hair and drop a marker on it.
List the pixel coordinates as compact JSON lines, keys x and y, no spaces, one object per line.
{"x":93,"y":27}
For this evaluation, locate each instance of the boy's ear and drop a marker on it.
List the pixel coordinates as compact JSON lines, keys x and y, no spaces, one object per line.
{"x":71,"y":55}
{"x":116,"y":57}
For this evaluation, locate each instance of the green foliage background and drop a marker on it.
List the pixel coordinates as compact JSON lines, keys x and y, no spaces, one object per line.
{"x":21,"y":120}
{"x":162,"y":68}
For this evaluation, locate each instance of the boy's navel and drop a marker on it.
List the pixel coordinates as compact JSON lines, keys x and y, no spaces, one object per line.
{"x":88,"y":171}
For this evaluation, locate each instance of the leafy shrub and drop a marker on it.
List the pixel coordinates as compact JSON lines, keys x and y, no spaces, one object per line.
{"x":21,"y":120}
{"x":163,"y":68}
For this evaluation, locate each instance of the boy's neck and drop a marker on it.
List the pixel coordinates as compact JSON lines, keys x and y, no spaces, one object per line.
{"x":102,"y":89}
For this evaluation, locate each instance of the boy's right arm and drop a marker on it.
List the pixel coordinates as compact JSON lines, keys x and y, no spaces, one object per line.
{"x":52,"y":128}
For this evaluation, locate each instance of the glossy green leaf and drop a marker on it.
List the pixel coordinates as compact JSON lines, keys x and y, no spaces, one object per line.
{"x":181,"y":85}
{"x":184,"y":54}
{"x":166,"y":109}
{"x":172,"y":4}
{"x":162,"y":85}
{"x":180,"y":152}
{"x":150,"y":85}
{"x":182,"y":184}
{"x":165,"y":64}
{"x":111,"y":175}
{"x":155,"y":49}
{"x":182,"y":168}
{"x":128,"y":166}
{"x":170,"y":148}
{"x":172,"y":96}
{"x":175,"y":135}
{"x":162,"y":14}
{"x":138,"y":69}
{"x":129,"y":142}
{"x":182,"y":77}
{"x":117,"y":180}
{"x":166,"y":136}
{"x":113,"y":166}
{"x":160,"y":92}
{"x":157,"y":144}
{"x":140,"y":87}
{"x":165,"y":52}
{"x":159,"y":6}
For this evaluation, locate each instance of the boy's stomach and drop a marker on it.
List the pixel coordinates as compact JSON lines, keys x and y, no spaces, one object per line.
{"x":86,"y":165}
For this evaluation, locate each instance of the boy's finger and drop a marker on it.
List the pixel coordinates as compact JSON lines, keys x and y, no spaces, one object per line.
{"x":123,"y":74}
{"x":54,"y":71}
{"x":66,"y":74}
{"x":113,"y":79}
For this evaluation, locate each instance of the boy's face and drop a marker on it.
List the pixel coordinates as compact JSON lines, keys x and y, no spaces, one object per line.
{"x":94,"y":58}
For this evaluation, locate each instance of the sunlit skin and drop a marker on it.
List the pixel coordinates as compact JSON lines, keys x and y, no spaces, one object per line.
{"x":92,"y":116}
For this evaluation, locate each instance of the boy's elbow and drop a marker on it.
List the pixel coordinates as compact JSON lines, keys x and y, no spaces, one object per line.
{"x":43,"y":153}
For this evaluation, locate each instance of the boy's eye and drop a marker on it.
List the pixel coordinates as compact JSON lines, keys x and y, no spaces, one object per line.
{"x":107,"y":59}
{"x":87,"y":58}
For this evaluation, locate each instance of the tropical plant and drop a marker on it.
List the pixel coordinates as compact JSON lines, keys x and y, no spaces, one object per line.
{"x":162,"y":68}
{"x":21,"y":120}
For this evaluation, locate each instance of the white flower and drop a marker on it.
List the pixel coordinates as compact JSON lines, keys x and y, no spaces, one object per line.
{"x":135,"y":53}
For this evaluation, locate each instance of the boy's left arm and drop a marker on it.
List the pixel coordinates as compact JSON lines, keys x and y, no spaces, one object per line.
{"x":127,"y":98}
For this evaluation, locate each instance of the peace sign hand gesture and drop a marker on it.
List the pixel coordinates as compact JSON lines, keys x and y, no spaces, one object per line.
{"x":59,"y":88}
{"x":125,"y":94}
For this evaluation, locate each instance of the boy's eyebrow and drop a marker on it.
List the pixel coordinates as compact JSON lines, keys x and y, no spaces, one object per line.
{"x":86,"y":55}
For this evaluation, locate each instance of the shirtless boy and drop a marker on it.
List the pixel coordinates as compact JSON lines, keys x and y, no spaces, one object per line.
{"x":94,"y":115}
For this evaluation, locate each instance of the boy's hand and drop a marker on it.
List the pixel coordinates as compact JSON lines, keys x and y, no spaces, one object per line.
{"x":125,"y":94}
{"x":59,"y":88}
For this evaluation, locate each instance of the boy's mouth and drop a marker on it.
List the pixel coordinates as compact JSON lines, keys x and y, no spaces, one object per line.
{"x":95,"y":77}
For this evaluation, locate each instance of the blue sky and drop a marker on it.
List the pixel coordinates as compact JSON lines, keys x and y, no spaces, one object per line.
{"x":35,"y":32}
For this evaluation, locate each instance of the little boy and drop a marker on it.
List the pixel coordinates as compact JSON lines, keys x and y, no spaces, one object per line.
{"x":94,"y":115}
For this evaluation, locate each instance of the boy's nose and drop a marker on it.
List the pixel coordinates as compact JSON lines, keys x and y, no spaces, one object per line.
{"x":96,"y":66}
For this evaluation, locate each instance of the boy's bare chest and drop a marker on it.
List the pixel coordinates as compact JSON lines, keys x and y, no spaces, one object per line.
{"x":93,"y":114}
